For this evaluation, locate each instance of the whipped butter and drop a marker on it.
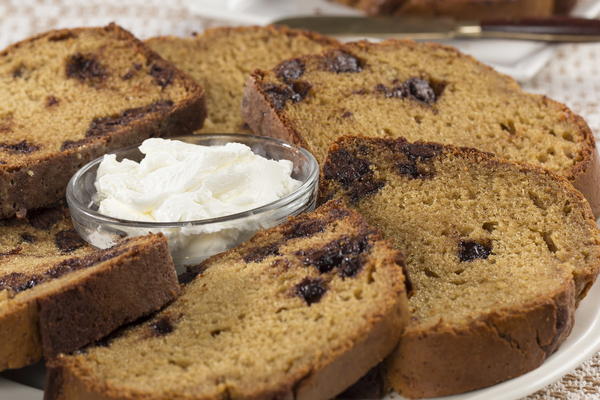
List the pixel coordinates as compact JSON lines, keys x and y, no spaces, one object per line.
{"x":178,"y":182}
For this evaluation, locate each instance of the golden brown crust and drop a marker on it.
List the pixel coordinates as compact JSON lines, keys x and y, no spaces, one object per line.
{"x":41,"y":182}
{"x":447,"y":360}
{"x":98,"y":300}
{"x":73,"y":377}
{"x":127,"y":288}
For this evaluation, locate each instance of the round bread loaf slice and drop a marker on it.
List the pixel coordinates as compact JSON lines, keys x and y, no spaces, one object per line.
{"x":499,"y":254}
{"x":221,"y":59}
{"x":58,"y":294}
{"x":421,"y":92}
{"x":69,"y":96}
{"x":464,"y":9}
{"x":300,"y":311}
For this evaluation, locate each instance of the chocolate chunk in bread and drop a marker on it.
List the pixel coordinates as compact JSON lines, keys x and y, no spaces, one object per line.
{"x":84,"y":109}
{"x":498,"y":254}
{"x":236,"y":317}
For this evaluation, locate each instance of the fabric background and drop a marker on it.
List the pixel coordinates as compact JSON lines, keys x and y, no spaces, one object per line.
{"x":572,"y":77}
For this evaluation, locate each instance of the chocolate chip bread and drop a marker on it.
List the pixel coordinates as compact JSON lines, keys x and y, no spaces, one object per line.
{"x":464,"y":9}
{"x":300,"y":311}
{"x":421,"y":92}
{"x":69,"y":96}
{"x":221,"y":59}
{"x":58,"y":294}
{"x":499,"y":254}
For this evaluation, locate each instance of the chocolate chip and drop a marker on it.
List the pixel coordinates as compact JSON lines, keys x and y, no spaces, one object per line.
{"x":304,"y":228}
{"x":162,"y":326}
{"x":278,"y":95}
{"x":346,"y":254}
{"x":257,"y":254}
{"x":44,"y":219}
{"x":417,"y":161}
{"x":19,"y":71}
{"x":290,"y":70}
{"x":422,"y":151}
{"x":128,"y":75}
{"x":300,"y":90}
{"x":51,"y":101}
{"x":399,"y":91}
{"x":311,"y":290}
{"x":105,"y":125}
{"x":68,"y":240}
{"x":347,"y":114}
{"x":469,"y":250}
{"x":22,"y":147}
{"x":339,"y":61}
{"x":163,"y":74}
{"x":131,"y":73}
{"x":60,"y":36}
{"x":353,"y":173}
{"x":12,"y":252}
{"x":420,"y":90}
{"x":414,"y":88}
{"x":85,"y":67}
{"x":18,"y":282}
{"x":26,"y":237}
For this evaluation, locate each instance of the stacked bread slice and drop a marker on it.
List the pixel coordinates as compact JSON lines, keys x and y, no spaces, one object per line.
{"x":300,"y":311}
{"x":69,"y":96}
{"x":57,"y":293}
{"x":221,"y":59}
{"x":499,"y":254}
{"x":419,"y":92}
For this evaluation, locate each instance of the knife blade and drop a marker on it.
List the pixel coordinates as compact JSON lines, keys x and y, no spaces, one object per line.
{"x":548,"y":29}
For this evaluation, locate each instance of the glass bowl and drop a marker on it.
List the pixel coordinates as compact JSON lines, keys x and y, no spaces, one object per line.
{"x":191,"y":242}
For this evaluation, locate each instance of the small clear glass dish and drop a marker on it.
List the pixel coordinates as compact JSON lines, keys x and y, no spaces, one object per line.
{"x":191,"y":242}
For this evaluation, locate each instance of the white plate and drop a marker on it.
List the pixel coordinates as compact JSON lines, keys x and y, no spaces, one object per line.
{"x":583,"y":342}
{"x":519,"y":59}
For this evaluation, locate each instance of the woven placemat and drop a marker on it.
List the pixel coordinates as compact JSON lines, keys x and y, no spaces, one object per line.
{"x":572,"y":77}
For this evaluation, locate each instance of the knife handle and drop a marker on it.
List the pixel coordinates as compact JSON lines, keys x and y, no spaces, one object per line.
{"x":557,"y":29}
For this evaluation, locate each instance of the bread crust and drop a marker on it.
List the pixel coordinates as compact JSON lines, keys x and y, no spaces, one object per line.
{"x":265,"y":120}
{"x":323,"y":379}
{"x":89,"y":307}
{"x":445,"y":360}
{"x":41,"y":182}
{"x":449,"y":358}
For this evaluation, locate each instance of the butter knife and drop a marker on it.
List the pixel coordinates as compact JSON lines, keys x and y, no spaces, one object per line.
{"x":549,"y":29}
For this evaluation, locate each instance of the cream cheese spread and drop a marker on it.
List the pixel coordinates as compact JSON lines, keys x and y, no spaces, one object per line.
{"x":177,"y":182}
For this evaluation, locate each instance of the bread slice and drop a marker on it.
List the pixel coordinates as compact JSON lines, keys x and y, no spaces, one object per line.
{"x":421,"y":92}
{"x":221,"y":59}
{"x":300,"y":311}
{"x":58,"y":294}
{"x":498,"y":254}
{"x":71,"y":95}
{"x":464,"y":9}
